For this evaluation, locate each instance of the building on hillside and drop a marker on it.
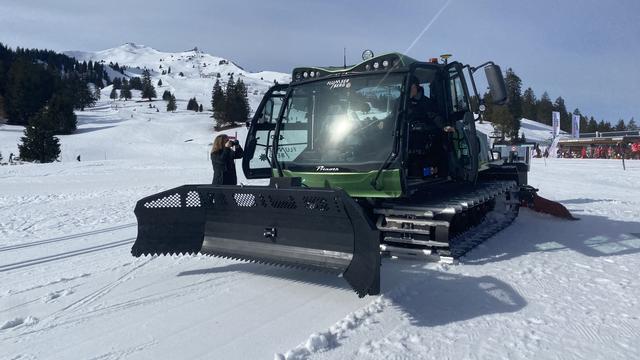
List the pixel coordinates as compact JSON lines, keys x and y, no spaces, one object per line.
{"x":602,"y":145}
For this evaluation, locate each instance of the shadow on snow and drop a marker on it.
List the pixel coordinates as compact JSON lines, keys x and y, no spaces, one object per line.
{"x":593,"y":236}
{"x":428,"y":297}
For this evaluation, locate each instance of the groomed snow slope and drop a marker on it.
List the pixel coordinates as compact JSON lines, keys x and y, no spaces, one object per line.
{"x":543,"y":288}
{"x":533,"y":130}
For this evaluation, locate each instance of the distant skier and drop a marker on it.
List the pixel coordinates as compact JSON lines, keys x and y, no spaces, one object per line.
{"x":11,"y":158}
{"x":223,"y":153}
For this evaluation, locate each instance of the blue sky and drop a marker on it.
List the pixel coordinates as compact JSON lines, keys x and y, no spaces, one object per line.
{"x":585,"y":50}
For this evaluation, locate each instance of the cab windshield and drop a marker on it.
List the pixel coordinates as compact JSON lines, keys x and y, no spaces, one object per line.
{"x":340,"y":123}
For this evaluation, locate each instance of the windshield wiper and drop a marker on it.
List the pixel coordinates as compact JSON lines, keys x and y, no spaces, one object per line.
{"x":392,"y":155}
{"x":390,"y":158}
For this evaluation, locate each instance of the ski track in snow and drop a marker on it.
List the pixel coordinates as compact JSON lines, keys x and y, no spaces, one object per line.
{"x":543,"y":288}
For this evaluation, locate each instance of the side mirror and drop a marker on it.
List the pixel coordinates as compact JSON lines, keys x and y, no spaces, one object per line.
{"x":247,"y":123}
{"x":497,"y":86}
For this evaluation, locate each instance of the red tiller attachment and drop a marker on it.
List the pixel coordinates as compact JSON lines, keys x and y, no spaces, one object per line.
{"x":530,"y":198}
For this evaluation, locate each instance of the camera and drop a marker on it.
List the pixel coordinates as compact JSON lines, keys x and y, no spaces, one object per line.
{"x":235,"y":142}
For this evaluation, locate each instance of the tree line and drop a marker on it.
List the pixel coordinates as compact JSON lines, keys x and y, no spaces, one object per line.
{"x":29,"y":79}
{"x":231,"y":104}
{"x":40,"y":89}
{"x":506,"y":118}
{"x":148,"y":91}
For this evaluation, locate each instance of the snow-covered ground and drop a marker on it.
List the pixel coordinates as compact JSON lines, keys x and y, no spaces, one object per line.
{"x":69,"y":289}
{"x":533,"y":130}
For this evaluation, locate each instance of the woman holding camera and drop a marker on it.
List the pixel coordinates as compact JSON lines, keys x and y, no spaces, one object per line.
{"x":223,"y":153}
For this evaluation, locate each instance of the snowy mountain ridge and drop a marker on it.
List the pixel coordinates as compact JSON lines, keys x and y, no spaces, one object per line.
{"x":187,"y":74}
{"x":192,"y":63}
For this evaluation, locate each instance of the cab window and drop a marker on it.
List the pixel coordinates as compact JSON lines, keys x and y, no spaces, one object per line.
{"x":458,"y":99}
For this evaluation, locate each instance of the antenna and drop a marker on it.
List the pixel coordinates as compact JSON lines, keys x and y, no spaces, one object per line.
{"x":344,"y":57}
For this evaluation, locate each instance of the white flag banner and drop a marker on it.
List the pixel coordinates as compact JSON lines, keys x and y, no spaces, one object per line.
{"x":556,"y":123}
{"x":575,"y":126}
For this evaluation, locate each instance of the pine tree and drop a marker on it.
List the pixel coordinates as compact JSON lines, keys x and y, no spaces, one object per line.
{"x":502,"y":120}
{"x":200,"y":108}
{"x":135,"y":83}
{"x":514,"y":94}
{"x":192,"y":104}
{"x":28,"y":87}
{"x":97,"y":92}
{"x":3,"y":113}
{"x":159,"y":82}
{"x":114,"y":93}
{"x":59,"y":115}
{"x":630,"y":126}
{"x":82,"y":95}
{"x":171,"y":105}
{"x":117,"y":83}
{"x":125,"y":92}
{"x":620,"y":126}
{"x":242,"y":108}
{"x":604,"y":126}
{"x":166,"y":95}
{"x":218,"y":104}
{"x":230,"y":101}
{"x":592,"y":126}
{"x":487,"y":100}
{"x":38,"y":142}
{"x":169,"y":70}
{"x":544,"y":109}
{"x":148,"y":91}
{"x":529,"y":100}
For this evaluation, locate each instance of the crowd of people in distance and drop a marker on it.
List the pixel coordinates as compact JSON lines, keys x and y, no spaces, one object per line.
{"x":629,"y":151}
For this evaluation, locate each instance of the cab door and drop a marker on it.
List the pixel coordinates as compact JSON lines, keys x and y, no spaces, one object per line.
{"x":466,"y":144}
{"x":258,"y":148}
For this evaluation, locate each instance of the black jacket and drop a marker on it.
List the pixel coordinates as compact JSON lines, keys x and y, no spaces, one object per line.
{"x":424,"y":109}
{"x":224,"y":167}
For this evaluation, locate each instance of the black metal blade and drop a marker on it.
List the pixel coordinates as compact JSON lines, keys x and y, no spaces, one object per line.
{"x":315,"y":229}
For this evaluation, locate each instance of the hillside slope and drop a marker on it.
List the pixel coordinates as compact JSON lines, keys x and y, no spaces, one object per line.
{"x":118,"y":130}
{"x":199,"y":71}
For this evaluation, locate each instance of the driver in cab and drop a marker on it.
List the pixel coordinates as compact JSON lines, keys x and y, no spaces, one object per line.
{"x":422,"y":108}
